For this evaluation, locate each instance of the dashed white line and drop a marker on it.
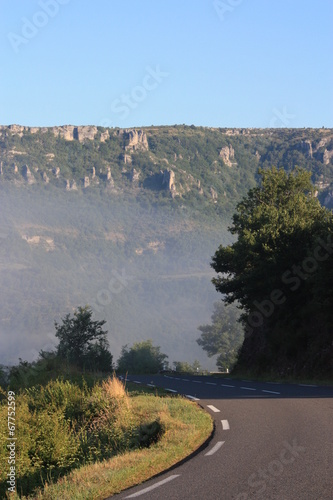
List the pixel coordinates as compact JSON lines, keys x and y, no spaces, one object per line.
{"x":271,"y":392}
{"x":136,"y":382}
{"x":156,"y":485}
{"x":210,"y":383}
{"x":151,"y":385}
{"x":170,"y":390}
{"x":192,"y":397}
{"x":185,"y":380}
{"x":225,"y":425}
{"x":213,"y":408}
{"x":248,"y":388}
{"x":197,"y":381}
{"x":226,"y":385}
{"x":214,"y":449}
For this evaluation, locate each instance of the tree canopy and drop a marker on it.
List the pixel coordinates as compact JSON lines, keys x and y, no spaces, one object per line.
{"x":142,"y":357}
{"x":283,"y":246}
{"x":223,"y":337}
{"x":83,"y":342}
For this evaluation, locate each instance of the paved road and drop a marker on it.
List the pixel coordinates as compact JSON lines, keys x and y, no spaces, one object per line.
{"x":271,"y":441}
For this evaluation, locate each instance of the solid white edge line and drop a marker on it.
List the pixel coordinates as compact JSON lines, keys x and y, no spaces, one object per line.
{"x":271,"y":392}
{"x":214,"y":449}
{"x":225,"y":425}
{"x":213,"y":408}
{"x":156,"y":485}
{"x":307,"y":385}
{"x":192,"y":397}
{"x":248,"y":388}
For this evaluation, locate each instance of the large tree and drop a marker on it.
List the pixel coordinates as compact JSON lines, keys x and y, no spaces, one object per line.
{"x":142,"y":357}
{"x":223,"y":337}
{"x":276,"y":267}
{"x":83,"y":342}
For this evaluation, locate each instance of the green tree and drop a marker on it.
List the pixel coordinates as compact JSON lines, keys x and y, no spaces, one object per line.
{"x":223,"y":337}
{"x":142,"y":357}
{"x":184,"y":367}
{"x":83,"y":342}
{"x":282,"y":235}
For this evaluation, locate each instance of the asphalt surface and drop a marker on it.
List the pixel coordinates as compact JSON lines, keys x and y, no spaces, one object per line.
{"x":271,"y":441}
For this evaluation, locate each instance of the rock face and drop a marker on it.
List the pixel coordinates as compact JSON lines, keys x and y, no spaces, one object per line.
{"x":28,"y":175}
{"x":45,"y":178}
{"x":168,"y":181}
{"x":109,"y":179}
{"x":327,"y":156}
{"x":213,"y":194}
{"x":127,"y":158}
{"x":226,"y":153}
{"x":86,"y":182}
{"x":134,"y":176}
{"x":137,"y":140}
{"x":306,"y":148}
{"x":71,"y":185}
{"x":56,"y":172}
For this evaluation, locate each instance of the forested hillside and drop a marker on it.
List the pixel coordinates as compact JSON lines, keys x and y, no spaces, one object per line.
{"x":127,"y":221}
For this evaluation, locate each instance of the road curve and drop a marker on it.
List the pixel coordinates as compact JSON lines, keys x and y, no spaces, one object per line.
{"x":271,"y":441}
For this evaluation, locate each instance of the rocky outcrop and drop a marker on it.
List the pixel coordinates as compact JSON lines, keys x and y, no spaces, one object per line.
{"x":137,"y":140}
{"x":56,"y":172}
{"x":213,"y":194}
{"x":226,"y":153}
{"x":86,"y":182}
{"x":105,"y":136}
{"x":85,"y":132}
{"x":134,"y":176}
{"x":168,"y":181}
{"x":109,"y":179}
{"x":15,"y":169}
{"x":26,"y":172}
{"x":127,"y":158}
{"x":327,"y":155}
{"x":45,"y":178}
{"x":306,"y":148}
{"x":71,"y":185}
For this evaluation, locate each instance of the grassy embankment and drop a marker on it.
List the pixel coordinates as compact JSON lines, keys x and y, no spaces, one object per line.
{"x":75,"y":442}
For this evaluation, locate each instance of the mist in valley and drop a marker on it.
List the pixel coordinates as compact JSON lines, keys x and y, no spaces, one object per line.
{"x":141,"y":266}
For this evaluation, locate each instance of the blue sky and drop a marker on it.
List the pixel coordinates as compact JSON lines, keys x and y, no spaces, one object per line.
{"x":219,"y":63}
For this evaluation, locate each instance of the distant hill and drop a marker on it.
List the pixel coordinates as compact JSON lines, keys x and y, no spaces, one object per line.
{"x":127,"y":221}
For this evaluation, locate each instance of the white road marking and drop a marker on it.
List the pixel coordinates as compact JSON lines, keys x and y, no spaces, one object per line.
{"x":176,"y":378}
{"x":185,"y":380}
{"x":248,"y":388}
{"x":170,"y":390}
{"x":156,"y":485}
{"x":214,"y":449}
{"x":226,"y":385}
{"x":136,"y":382}
{"x":215,"y":410}
{"x":197,"y":381}
{"x":225,"y":425}
{"x":271,"y":392}
{"x":151,"y":385}
{"x":210,"y":383}
{"x":192,"y":397}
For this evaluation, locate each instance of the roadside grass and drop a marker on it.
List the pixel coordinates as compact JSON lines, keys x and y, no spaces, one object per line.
{"x":185,"y":427}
